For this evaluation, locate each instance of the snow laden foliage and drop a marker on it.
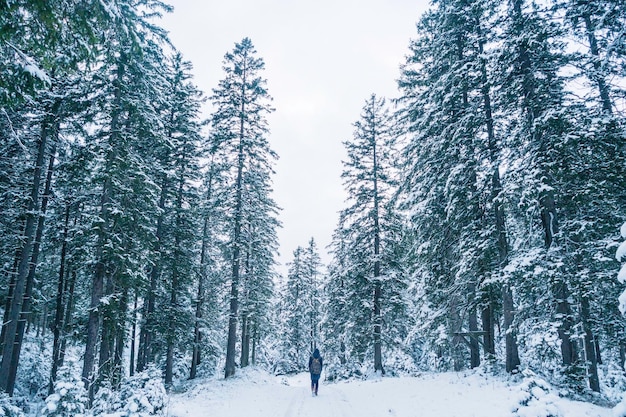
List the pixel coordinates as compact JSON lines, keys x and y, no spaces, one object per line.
{"x":301,"y":307}
{"x":69,"y":399}
{"x":366,"y":317}
{"x":536,"y":398}
{"x":8,"y":408}
{"x":240,"y":131}
{"x":141,"y":395}
{"x":512,"y":183}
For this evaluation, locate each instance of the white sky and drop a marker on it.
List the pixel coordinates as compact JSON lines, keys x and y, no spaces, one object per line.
{"x":322,"y":61}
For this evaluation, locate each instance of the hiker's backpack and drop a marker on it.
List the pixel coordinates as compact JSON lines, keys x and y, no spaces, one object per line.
{"x":316,"y":366}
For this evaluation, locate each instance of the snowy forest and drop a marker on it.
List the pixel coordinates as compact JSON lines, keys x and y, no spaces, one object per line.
{"x":138,"y":237}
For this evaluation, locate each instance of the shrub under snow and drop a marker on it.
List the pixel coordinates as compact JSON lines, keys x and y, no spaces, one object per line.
{"x":141,"y":395}
{"x":7,"y":408}
{"x":69,"y":398}
{"x":535,"y":398}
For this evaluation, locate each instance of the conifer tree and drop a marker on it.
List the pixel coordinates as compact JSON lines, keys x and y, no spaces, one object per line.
{"x":369,"y":179}
{"x":242,"y":103}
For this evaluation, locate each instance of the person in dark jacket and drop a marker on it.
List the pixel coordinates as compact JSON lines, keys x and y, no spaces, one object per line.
{"x":316,"y":362}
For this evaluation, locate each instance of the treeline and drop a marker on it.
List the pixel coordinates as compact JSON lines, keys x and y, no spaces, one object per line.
{"x":484,"y":213}
{"x":124,"y":226}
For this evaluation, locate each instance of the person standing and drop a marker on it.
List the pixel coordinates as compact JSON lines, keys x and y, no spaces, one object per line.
{"x":316,"y":362}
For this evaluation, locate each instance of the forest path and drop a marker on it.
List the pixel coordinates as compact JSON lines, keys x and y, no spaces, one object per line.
{"x":260,"y":395}
{"x":254,"y":393}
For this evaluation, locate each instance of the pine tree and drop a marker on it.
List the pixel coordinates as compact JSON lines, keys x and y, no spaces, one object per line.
{"x":39,"y":81}
{"x":242,"y":102}
{"x":369,"y":179}
{"x":131,"y":81}
{"x":443,"y":183}
{"x":534,"y":99}
{"x":300,"y":307}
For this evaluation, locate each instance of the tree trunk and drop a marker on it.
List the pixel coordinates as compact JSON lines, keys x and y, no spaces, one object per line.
{"x":120,"y":340}
{"x":176,"y":277}
{"x":489,"y":345}
{"x":568,"y":349}
{"x":58,"y":318}
{"x":255,"y":336}
{"x":245,"y":340}
{"x":473,"y":342}
{"x":512,"y":360}
{"x":590,"y":348}
{"x":457,"y":339}
{"x":133,"y":338}
{"x":195,"y":357}
{"x":596,"y":343}
{"x":234,"y":303}
{"x":100,"y":271}
{"x":596,"y":75}
{"x":67,"y":321}
{"x":378,"y":357}
{"x":26,"y":315}
{"x":108,"y":333}
{"x":21,"y":295}
{"x":169,"y":358}
{"x":145,"y":354}
{"x":12,"y":276}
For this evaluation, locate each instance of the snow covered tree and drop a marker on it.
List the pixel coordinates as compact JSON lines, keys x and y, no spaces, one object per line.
{"x":300,"y":306}
{"x":239,"y":125}
{"x":44,"y":61}
{"x":128,"y":127}
{"x":368,"y":225}
{"x":444,"y":184}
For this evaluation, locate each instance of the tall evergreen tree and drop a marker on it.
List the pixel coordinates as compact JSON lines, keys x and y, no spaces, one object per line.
{"x":369,"y":179}
{"x":242,"y":103}
{"x":129,"y":124}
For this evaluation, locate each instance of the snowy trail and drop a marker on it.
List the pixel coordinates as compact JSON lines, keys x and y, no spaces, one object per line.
{"x":257,"y":394}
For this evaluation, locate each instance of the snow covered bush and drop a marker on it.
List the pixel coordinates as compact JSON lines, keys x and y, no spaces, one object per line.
{"x":7,"y":408}
{"x":141,"y":395}
{"x":69,"y":398}
{"x":535,"y":398}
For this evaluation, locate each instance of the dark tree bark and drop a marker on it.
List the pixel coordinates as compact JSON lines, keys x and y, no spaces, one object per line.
{"x":473,"y":342}
{"x":12,"y":340}
{"x":590,"y":348}
{"x":234,"y":286}
{"x":108,"y":332}
{"x":67,"y":321}
{"x":596,"y":75}
{"x":197,"y":338}
{"x":133,"y":338}
{"x":169,"y":357}
{"x":26,"y":316}
{"x":58,"y":318}
{"x":120,"y":339}
{"x":378,"y":357}
{"x":489,"y":345}
{"x":12,"y":274}
{"x":255,"y":338}
{"x":146,"y":354}
{"x":568,"y":348}
{"x":512,"y":360}
{"x":100,"y":271}
{"x":245,"y":340}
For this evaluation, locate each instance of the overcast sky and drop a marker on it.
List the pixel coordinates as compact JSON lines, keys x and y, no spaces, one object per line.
{"x":323,"y":59}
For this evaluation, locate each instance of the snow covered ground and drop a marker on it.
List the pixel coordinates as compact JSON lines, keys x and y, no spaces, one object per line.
{"x":255,"y":393}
